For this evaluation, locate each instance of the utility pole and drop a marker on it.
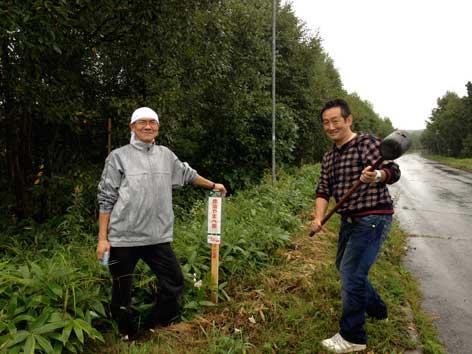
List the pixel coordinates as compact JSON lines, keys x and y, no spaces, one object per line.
{"x":274,"y":2}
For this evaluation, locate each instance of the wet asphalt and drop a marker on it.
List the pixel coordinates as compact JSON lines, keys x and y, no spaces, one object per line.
{"x":433,"y":203}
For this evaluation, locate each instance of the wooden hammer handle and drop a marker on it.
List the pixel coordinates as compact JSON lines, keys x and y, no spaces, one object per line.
{"x":347,"y":195}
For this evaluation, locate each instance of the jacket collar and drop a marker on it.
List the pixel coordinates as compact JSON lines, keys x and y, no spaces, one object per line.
{"x":140,"y":145}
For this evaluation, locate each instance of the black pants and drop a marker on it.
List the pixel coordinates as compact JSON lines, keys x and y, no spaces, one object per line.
{"x":162,"y":261}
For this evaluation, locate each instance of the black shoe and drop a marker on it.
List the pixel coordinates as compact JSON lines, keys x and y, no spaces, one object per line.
{"x":152,"y":320}
{"x":126,"y":326}
{"x":125,"y":338}
{"x":380,"y":318}
{"x":158,"y":323}
{"x":166,"y":323}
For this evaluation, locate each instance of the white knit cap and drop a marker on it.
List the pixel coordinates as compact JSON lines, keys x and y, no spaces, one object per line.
{"x":144,"y":113}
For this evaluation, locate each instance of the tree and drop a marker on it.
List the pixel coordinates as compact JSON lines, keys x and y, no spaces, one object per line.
{"x":445,"y":132}
{"x":204,"y":66}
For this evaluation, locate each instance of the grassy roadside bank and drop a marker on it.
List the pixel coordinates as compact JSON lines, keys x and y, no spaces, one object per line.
{"x":463,"y":164}
{"x":290,"y":302}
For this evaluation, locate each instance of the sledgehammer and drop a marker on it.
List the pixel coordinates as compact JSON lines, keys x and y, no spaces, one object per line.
{"x":391,"y":148}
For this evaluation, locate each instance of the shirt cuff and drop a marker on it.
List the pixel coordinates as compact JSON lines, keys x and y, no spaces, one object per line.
{"x":387,"y":175}
{"x":322,"y":195}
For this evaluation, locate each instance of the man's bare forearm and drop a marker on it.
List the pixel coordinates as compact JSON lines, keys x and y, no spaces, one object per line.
{"x":103,"y":220}
{"x":321,"y":205}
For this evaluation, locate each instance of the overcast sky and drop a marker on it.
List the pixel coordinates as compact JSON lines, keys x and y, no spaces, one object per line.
{"x":400,"y":55}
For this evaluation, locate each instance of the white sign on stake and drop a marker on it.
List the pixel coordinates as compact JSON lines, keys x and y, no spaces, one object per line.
{"x":214,"y":220}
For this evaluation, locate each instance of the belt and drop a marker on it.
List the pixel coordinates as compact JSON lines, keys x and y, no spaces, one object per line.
{"x":351,"y":219}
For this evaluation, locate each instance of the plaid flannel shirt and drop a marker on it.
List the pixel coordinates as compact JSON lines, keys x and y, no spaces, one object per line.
{"x":342,"y":167}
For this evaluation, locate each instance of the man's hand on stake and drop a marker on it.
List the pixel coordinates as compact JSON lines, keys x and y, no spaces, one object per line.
{"x":218,"y":187}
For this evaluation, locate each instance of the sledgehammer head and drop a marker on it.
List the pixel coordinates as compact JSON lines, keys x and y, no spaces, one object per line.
{"x":395,"y":145}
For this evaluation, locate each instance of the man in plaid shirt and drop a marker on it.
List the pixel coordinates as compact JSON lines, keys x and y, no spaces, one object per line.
{"x":366,"y":220}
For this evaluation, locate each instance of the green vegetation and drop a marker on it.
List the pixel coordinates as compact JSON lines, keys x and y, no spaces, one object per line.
{"x":463,"y":164}
{"x":204,"y":66}
{"x":279,"y":289}
{"x":53,"y":289}
{"x":288,"y":300}
{"x":449,"y":130}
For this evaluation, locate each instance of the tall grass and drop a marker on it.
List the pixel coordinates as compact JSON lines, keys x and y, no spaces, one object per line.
{"x":53,"y":292}
{"x":460,"y":163}
{"x":288,"y":299}
{"x":279,"y":289}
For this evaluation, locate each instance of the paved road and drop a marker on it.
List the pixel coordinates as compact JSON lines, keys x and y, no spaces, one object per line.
{"x":434,"y":205}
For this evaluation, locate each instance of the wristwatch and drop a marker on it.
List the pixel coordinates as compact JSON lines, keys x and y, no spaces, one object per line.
{"x":378,"y":176}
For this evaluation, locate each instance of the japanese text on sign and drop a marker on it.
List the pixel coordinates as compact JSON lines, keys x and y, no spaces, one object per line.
{"x":214,"y":220}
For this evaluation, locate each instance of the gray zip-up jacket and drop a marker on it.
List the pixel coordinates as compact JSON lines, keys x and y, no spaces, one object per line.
{"x":136,"y":188}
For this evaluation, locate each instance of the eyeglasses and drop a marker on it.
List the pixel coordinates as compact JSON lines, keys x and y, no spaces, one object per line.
{"x":141,"y":123}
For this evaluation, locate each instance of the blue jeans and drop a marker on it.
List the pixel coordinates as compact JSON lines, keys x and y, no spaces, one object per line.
{"x":358,"y":246}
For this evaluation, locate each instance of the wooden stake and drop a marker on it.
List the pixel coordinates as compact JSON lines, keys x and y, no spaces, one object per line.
{"x":214,"y":238}
{"x":215,"y":260}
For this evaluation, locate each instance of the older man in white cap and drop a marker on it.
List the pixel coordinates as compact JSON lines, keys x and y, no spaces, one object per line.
{"x":136,"y":218}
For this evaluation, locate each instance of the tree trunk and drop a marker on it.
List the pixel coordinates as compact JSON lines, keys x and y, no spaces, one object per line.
{"x":18,"y":140}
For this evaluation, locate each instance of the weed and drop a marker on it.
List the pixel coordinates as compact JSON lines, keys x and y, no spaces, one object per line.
{"x":279,"y":289}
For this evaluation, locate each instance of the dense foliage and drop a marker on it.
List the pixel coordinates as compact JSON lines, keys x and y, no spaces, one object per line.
{"x":449,"y":129}
{"x":67,"y":67}
{"x":53,"y":290}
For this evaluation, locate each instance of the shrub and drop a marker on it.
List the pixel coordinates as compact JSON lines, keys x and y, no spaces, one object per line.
{"x":256,"y":223}
{"x":48,"y":305}
{"x":53,"y":291}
